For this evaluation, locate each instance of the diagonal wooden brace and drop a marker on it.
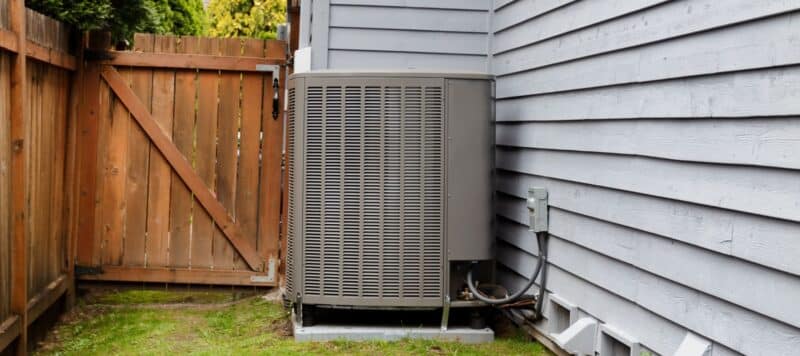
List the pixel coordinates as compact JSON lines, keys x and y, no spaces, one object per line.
{"x":182,"y":167}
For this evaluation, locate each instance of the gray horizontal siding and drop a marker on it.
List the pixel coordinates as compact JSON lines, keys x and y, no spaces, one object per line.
{"x":400,"y":34}
{"x":350,"y":59}
{"x":475,"y":5}
{"x":768,"y":142}
{"x":667,"y":135}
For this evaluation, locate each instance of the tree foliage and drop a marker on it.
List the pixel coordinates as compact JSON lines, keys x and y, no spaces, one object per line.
{"x":126,"y":17}
{"x":249,"y":18}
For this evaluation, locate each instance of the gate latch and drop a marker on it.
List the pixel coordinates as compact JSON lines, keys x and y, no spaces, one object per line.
{"x":276,"y":76}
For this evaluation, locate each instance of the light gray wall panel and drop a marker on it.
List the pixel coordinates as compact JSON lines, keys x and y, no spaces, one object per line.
{"x":673,"y":19}
{"x":771,"y":92}
{"x":769,"y":142}
{"x":578,"y":15}
{"x":657,"y":333}
{"x":409,"y":18}
{"x":520,"y":11}
{"x":479,"y":5}
{"x":407,"y":41}
{"x":767,"y":192}
{"x":768,"y":292}
{"x":759,"y":44}
{"x":725,"y":323}
{"x":400,"y":34}
{"x":347,"y":59}
{"x":765,"y":241}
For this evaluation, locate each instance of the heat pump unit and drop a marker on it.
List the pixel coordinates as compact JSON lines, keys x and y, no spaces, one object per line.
{"x":390,"y":187}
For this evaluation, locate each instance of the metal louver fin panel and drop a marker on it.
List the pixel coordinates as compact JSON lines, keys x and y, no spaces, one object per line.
{"x":373,"y":180}
{"x":292,"y":226}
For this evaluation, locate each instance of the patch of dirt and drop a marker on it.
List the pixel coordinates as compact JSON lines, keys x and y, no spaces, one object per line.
{"x":282,"y":328}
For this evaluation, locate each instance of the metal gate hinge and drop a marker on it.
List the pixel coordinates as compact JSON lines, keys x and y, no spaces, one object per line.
{"x":87,"y":270}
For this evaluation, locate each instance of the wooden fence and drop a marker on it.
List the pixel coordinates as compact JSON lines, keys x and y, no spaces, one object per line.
{"x":36,"y":136}
{"x":161,"y":164}
{"x":187,"y":154}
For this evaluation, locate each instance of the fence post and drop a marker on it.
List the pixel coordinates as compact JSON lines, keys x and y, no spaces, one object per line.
{"x":19,"y":251}
{"x":72,"y":183}
{"x":88,"y":117}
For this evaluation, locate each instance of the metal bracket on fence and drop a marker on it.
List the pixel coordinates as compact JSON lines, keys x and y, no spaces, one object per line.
{"x":270,"y":277}
{"x":274,"y":68}
{"x":87,"y":270}
{"x":276,"y":76}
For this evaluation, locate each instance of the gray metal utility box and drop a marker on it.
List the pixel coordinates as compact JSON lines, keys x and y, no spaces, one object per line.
{"x":390,"y":186}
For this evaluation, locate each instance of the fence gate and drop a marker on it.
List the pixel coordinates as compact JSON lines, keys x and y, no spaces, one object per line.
{"x":180,"y":162}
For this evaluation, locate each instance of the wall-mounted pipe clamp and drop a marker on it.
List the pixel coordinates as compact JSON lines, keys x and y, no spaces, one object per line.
{"x":537,"y":208}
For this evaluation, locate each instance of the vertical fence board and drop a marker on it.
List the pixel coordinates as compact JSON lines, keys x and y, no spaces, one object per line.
{"x":5,"y":183}
{"x":19,"y":263}
{"x":135,"y":234}
{"x":58,"y":234}
{"x":203,"y":228}
{"x":160,"y":173}
{"x":183,"y":137}
{"x":249,"y":147}
{"x":270,"y":201}
{"x":113,"y":127}
{"x":227,"y":142}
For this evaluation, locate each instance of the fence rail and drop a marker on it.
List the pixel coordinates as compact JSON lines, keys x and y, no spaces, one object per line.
{"x":37,"y":134}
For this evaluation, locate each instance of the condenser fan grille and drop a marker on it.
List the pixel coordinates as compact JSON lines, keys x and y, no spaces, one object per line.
{"x":373,"y":180}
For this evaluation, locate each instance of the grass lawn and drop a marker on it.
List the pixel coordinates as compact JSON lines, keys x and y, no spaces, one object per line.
{"x":156,"y":323}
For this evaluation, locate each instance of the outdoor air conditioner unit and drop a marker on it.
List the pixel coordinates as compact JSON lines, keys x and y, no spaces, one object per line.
{"x":390,"y":187}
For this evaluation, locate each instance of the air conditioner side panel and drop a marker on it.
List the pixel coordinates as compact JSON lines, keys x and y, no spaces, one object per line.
{"x":470,"y":170}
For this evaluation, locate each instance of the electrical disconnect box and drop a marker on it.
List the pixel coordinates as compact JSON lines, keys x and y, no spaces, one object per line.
{"x":537,"y":208}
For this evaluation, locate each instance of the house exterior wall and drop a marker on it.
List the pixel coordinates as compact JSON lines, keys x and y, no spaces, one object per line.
{"x":668,"y":136}
{"x":397,"y":34}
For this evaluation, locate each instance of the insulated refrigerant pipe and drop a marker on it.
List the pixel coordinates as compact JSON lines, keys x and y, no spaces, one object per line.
{"x":541,"y":240}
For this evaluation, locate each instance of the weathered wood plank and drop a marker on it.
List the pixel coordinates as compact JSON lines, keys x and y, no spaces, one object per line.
{"x":190,"y":61}
{"x":183,"y":138}
{"x":270,"y":189}
{"x":250,"y":132}
{"x":88,"y":247}
{"x":179,"y":163}
{"x":9,"y":330}
{"x":138,"y":151}
{"x":19,"y":211}
{"x":45,"y":298}
{"x":205,"y":156}
{"x":5,"y":186}
{"x":160,"y":174}
{"x":227,"y":147}
{"x":175,"y":275}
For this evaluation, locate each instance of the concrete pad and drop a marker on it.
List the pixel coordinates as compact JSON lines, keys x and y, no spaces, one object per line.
{"x":391,"y":333}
